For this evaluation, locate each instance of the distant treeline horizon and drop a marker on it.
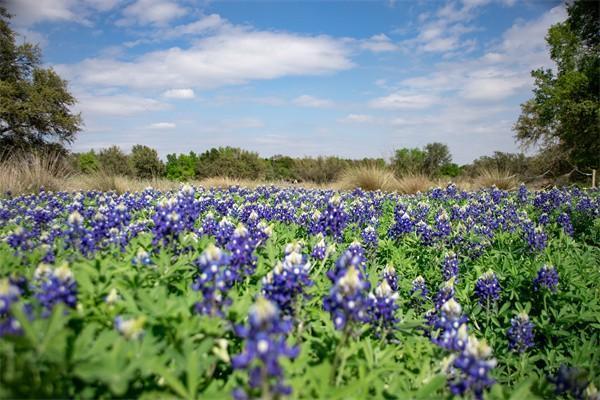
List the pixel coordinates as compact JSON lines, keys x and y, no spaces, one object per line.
{"x":433,"y":160}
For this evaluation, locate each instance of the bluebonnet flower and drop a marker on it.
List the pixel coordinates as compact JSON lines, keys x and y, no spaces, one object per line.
{"x":450,"y":266}
{"x":241,"y":246}
{"x":265,"y":343}
{"x":522,"y":193}
{"x":167,"y":222}
{"x":402,"y":223}
{"x":332,"y":221}
{"x":209,"y":224}
{"x":450,"y":327}
{"x":319,"y":250}
{"x":564,"y":220}
{"x":354,"y":255}
{"x":9,"y":294}
{"x":382,"y":308}
{"x":487,"y":288}
{"x":214,"y":280}
{"x":425,"y":233}
{"x":347,"y":299}
{"x":445,"y":293}
{"x":142,"y":258}
{"x":469,"y":370}
{"x":419,"y":288}
{"x":53,"y":286}
{"x":520,"y":333}
{"x":570,"y":380}
{"x":391,"y":276}
{"x":442,"y":224}
{"x":547,"y":278}
{"x":535,"y":236}
{"x":369,"y":237}
{"x":112,"y":297}
{"x":130,"y":328}
{"x":286,"y":283}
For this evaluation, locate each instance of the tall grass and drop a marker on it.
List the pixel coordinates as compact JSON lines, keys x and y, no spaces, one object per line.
{"x":29,"y":172}
{"x":414,"y":183}
{"x":367,"y":177}
{"x":502,"y":179}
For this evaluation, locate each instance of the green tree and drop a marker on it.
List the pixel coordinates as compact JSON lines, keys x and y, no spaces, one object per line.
{"x":231,"y":162}
{"x":408,"y":161}
{"x":563,"y":117}
{"x":34,"y":101}
{"x":181,"y":167}
{"x":114,"y":161}
{"x":437,"y":156}
{"x":88,"y":162}
{"x":145,"y":162}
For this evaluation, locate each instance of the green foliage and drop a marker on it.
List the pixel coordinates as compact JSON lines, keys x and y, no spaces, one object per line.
{"x":408,"y":161}
{"x":320,"y":169}
{"x":145,"y":162}
{"x":181,"y":167}
{"x":451,"y":169}
{"x":513,"y":163}
{"x":87,"y":162}
{"x":430,"y":160}
{"x":564,"y":113}
{"x":230,"y":162}
{"x":34,"y":101}
{"x":114,"y":161}
{"x":282,"y":168}
{"x":437,"y":156}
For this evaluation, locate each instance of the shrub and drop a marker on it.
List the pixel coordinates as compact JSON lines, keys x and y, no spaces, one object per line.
{"x":320,"y":169}
{"x":145,"y":162}
{"x":113,"y":161}
{"x":230,"y":162}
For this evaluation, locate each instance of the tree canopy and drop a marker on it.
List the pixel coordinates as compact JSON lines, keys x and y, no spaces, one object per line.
{"x":35,"y":104}
{"x":563,"y":117}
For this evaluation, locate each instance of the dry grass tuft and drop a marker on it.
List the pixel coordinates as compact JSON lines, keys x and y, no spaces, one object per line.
{"x":369,"y":177}
{"x":27,"y":173}
{"x":414,"y":183}
{"x":106,"y":182}
{"x":494,"y":177}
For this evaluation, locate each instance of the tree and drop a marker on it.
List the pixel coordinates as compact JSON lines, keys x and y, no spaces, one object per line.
{"x":145,"y":162}
{"x":34,"y":101}
{"x":181,"y":167}
{"x":437,"y":156}
{"x":88,"y":162}
{"x":114,"y":162}
{"x":232,"y":163}
{"x":563,"y":117}
{"x":408,"y":161}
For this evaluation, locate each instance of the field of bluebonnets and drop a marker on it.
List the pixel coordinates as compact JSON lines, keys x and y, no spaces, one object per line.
{"x":271,"y":292}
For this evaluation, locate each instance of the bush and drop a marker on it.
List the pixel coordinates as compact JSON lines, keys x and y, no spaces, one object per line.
{"x":181,"y":167}
{"x":113,"y":161}
{"x":145,"y":162}
{"x":320,"y":169}
{"x":232,"y":163}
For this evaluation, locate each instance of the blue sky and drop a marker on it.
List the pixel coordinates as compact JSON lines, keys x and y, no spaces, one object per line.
{"x":348,"y":78}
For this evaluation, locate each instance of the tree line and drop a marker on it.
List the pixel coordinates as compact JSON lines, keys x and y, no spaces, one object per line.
{"x":433,"y":160}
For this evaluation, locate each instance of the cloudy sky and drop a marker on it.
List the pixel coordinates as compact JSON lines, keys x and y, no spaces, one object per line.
{"x":354,"y":79}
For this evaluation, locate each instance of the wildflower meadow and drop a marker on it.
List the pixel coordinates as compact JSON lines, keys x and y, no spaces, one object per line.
{"x":278,"y":293}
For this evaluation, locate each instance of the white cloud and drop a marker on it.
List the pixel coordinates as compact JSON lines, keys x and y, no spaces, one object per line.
{"x":359,"y":118}
{"x":30,"y":12}
{"x":205,"y":24}
{"x":116,"y":105}
{"x":378,"y":43}
{"x":162,"y":125}
{"x":151,"y":12}
{"x":179,"y":94}
{"x":311,"y":101}
{"x":227,"y":58}
{"x":404,"y":100}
